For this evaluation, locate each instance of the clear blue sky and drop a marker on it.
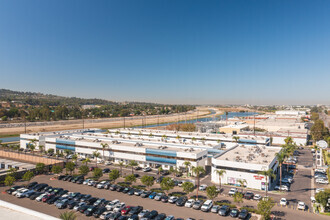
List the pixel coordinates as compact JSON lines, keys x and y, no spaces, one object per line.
{"x":175,"y":51}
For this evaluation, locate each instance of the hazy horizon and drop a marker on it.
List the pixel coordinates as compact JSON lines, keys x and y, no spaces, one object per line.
{"x":205,"y":52}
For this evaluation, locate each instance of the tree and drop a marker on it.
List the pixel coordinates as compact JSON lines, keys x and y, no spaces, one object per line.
{"x":40,"y":167}
{"x":319,"y":131}
{"x":281,"y":158}
{"x":267,"y":173}
{"x":167,"y":184}
{"x":83,"y":170}
{"x":220,"y":174}
{"x":67,"y":153}
{"x":68,"y":215}
{"x":130,"y":178}
{"x":148,"y":180}
{"x":238,"y":197}
{"x":211,"y":192}
{"x":57,"y":169}
{"x":113,"y":175}
{"x":97,"y":173}
{"x":96,"y":154}
{"x":288,"y":140}
{"x":188,"y":187}
{"x":75,"y":158}
{"x":28,"y":176}
{"x":198,"y":171}
{"x":86,"y":161}
{"x":9,"y":180}
{"x":32,"y":145}
{"x":41,"y":148}
{"x":121,"y":164}
{"x":322,"y":197}
{"x":70,"y":166}
{"x":265,"y":208}
{"x":187,"y":164}
{"x":50,"y":151}
{"x":133,"y":164}
{"x":242,"y":183}
{"x":236,"y":138}
{"x":104,"y":146}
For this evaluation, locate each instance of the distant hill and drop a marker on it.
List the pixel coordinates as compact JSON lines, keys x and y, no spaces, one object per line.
{"x":34,"y":98}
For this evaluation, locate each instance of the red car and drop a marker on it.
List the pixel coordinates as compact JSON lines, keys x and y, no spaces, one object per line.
{"x":126,"y":210}
{"x":91,"y":168}
{"x":46,"y":198}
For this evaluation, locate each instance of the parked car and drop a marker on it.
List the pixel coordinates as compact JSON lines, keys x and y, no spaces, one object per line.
{"x":172,"y":199}
{"x":145,"y":194}
{"x":31,"y":185}
{"x":207,"y":206}
{"x":181,"y":201}
{"x":197,"y":204}
{"x":243,"y":214}
{"x":158,"y":196}
{"x":160,"y":216}
{"x":35,"y":195}
{"x":152,"y":195}
{"x":21,"y":193}
{"x":284,"y":188}
{"x":63,"y":204}
{"x":215,"y":209}
{"x":18,"y":191}
{"x":119,"y":207}
{"x":151,"y":215}
{"x":112,"y":204}
{"x":248,"y":195}
{"x":164,"y":198}
{"x":202,"y":187}
{"x":90,"y":210}
{"x":72,"y":204}
{"x":147,"y":169}
{"x":283,"y":201}
{"x":126,"y":210}
{"x":106,"y":170}
{"x":13,"y":189}
{"x":101,"y":185}
{"x":189,"y":203}
{"x":224,"y":210}
{"x":232,"y":191}
{"x":301,"y":206}
{"x":143,"y":213}
{"x":234,"y":213}
{"x":322,"y":181}
{"x":135,"y":210}
{"x":257,"y":197}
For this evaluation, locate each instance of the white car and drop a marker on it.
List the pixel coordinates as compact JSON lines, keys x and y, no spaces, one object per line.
{"x":257,"y":197}
{"x":313,"y":200}
{"x":86,"y":181}
{"x":146,"y":169}
{"x":101,"y":185}
{"x":283,"y":201}
{"x":189,"y":203}
{"x":301,"y":206}
{"x":207,"y":206}
{"x":202,"y":187}
{"x":143,"y":213}
{"x":232,"y":191}
{"x":320,"y":170}
{"x":322,"y":181}
{"x":284,"y":188}
{"x":319,"y":190}
{"x":108,"y":163}
{"x":172,"y":199}
{"x":112,"y":204}
{"x":18,"y":191}
{"x":76,"y":207}
{"x":39,"y":198}
{"x":119,"y":207}
{"x":91,"y":183}
{"x":105,"y":215}
{"x":21,"y":193}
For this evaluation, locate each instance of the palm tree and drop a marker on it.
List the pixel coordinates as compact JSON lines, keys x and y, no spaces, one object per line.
{"x":67,"y":152}
{"x":121,"y":164}
{"x":68,"y":216}
{"x":32,"y":145}
{"x":220,"y":174}
{"x":96,"y":154}
{"x":242,"y":183}
{"x":132,"y":164}
{"x":104,"y":146}
{"x":267,"y":173}
{"x":281,"y":158}
{"x":187,"y":164}
{"x":193,"y":139}
{"x":164,"y":137}
{"x":288,"y":140}
{"x":86,"y":161}
{"x":198,"y":171}
{"x":236,"y":138}
{"x":41,"y":148}
{"x":75,"y":158}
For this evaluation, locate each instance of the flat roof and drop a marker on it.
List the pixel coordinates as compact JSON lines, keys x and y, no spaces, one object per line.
{"x":49,"y":133}
{"x":17,"y":163}
{"x":250,"y":154}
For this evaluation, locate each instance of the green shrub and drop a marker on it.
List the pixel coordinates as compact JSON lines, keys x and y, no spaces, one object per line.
{"x":232,"y":206}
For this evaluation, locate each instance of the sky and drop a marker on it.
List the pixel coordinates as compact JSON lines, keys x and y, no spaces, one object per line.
{"x":173,"y":51}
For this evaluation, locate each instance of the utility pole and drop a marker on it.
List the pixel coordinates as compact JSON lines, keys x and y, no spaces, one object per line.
{"x":124,"y":122}
{"x":254,"y":125}
{"x":158,"y":121}
{"x":24,"y":125}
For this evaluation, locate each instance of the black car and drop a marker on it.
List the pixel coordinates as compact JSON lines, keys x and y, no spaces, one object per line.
{"x":134,"y":217}
{"x":35,"y":195}
{"x":126,"y":190}
{"x":248,"y":195}
{"x":151,"y":214}
{"x":40,"y":187}
{"x":80,"y":181}
{"x":53,"y":200}
{"x":131,"y":192}
{"x":181,"y":201}
{"x":224,"y":210}
{"x":69,"y":178}
{"x":13,"y":189}
{"x":66,"y":178}
{"x":115,"y":216}
{"x":91,"y":200}
{"x":106,"y":170}
{"x":122,"y":217}
{"x":78,"y":198}
{"x":85,"y":198}
{"x":161,"y":216}
{"x":234,"y":213}
{"x":83,"y":208}
{"x":74,"y":195}
{"x":135,"y":210}
{"x":136,"y":175}
{"x":113,"y":187}
{"x":165,"y":172}
{"x":145,"y":194}
{"x":120,"y":188}
{"x":137,"y":168}
{"x":31,"y":194}
{"x":159,"y":179}
{"x":61,"y":177}
{"x":243,"y":214}
{"x":72,"y":203}
{"x":62,"y":192}
{"x":31,"y":185}
{"x":99,"y":202}
{"x":164,"y":198}
{"x":99,"y":211}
